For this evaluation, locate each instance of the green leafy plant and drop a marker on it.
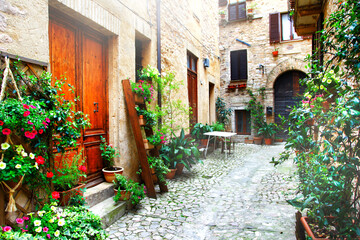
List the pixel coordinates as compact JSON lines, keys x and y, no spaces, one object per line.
{"x":149,"y":116}
{"x":222,"y":113}
{"x":268,"y":130}
{"x":136,"y":190}
{"x":108,"y":153}
{"x":159,"y":166}
{"x":150,"y":74}
{"x":199,"y":129}
{"x":217,"y":126}
{"x":69,"y":174}
{"x":180,"y":150}
{"x":256,"y":109}
{"x":55,"y":223}
{"x":78,"y":199}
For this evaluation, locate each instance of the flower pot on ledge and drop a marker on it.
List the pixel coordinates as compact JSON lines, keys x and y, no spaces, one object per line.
{"x":109,"y":173}
{"x":65,"y":196}
{"x":171,"y":174}
{"x":275,"y":53}
{"x":142,"y":121}
{"x":268,"y":141}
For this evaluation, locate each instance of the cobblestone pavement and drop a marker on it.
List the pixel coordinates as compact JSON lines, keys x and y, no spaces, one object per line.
{"x":239,"y":197}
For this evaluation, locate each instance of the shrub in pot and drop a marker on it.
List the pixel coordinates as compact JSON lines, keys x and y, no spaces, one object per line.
{"x":198,"y":131}
{"x":127,"y":189}
{"x":108,"y":153}
{"x":268,"y":130}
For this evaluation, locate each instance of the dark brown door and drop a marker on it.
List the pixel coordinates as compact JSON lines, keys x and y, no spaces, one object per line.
{"x":80,"y":55}
{"x":287,"y":91}
{"x":192,"y":87}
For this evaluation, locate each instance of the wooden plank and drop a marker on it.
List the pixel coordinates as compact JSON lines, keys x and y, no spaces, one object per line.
{"x":2,"y":206}
{"x":130,"y":102}
{"x":23,"y":59}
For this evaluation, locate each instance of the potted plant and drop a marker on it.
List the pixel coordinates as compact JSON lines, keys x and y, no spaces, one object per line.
{"x":268,"y":131}
{"x":222,"y":14}
{"x":257,"y":113}
{"x":251,"y":7}
{"x":222,"y":112}
{"x":157,"y":139}
{"x":180,"y":152}
{"x":144,"y":90}
{"x":108,"y":153}
{"x":127,"y":189}
{"x":275,"y":53}
{"x":68,"y":178}
{"x":148,"y":116}
{"x":198,"y":131}
{"x":159,"y":167}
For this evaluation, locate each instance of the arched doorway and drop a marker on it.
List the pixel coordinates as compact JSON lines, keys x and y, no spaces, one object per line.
{"x":287,"y":92}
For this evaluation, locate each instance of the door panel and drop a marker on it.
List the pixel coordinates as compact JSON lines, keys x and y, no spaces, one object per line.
{"x":80,"y":54}
{"x":192,"y":93}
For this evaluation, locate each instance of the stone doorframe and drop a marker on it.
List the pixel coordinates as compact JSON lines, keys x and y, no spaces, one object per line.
{"x":290,"y":64}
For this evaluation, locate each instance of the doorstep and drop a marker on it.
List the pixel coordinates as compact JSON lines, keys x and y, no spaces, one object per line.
{"x":100,"y":201}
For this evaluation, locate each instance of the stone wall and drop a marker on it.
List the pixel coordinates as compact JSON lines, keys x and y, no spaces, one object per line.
{"x":185,"y":26}
{"x":256,"y":33}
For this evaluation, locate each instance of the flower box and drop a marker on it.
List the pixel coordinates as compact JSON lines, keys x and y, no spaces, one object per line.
{"x":65,"y":196}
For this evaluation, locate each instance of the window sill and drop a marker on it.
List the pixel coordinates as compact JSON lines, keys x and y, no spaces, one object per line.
{"x":237,"y":85}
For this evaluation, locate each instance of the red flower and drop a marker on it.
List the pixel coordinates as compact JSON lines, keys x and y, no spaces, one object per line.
{"x":34,"y":132}
{"x":82,"y":168}
{"x":30,"y":135}
{"x":1,"y":123}
{"x":6,"y":131}
{"x":41,"y":131}
{"x":49,"y":174}
{"x":55,"y":195}
{"x":26,"y":106}
{"x":40,"y":160}
{"x":27,"y":113}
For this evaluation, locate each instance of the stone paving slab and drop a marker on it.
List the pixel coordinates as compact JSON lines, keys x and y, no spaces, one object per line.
{"x":239,"y":197}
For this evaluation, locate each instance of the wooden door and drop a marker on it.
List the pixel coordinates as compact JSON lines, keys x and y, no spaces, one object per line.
{"x":193,"y":99}
{"x":79,"y":55}
{"x":287,"y":92}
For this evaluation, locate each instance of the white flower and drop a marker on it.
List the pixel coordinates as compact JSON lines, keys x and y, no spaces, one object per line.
{"x":5,"y":146}
{"x":41,"y":213}
{"x":57,"y":233}
{"x":61,"y":222}
{"x":24,"y":154}
{"x":32,"y":156}
{"x":37,"y":223}
{"x":36,"y":165}
{"x":38,"y":229}
{"x":18,"y":166}
{"x":19,"y":149}
{"x":53,"y":208}
{"x":2,"y":165}
{"x":51,"y":220}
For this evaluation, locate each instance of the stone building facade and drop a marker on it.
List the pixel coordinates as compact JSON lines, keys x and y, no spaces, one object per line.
{"x":247,"y":41}
{"x":123,"y":34}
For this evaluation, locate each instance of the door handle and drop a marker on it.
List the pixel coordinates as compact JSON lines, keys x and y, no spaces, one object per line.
{"x":96,"y":107}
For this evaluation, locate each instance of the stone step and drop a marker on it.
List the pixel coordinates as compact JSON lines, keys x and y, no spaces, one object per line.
{"x":99,"y":193}
{"x":109,"y":211}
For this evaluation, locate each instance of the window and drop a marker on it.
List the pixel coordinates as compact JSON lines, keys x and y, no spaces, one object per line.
{"x":238,"y":61}
{"x":243,"y":122}
{"x":281,"y":28}
{"x":237,"y":10}
{"x":287,"y":28}
{"x":191,"y":62}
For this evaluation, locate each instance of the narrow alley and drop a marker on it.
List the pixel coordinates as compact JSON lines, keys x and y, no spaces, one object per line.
{"x":239,"y":197}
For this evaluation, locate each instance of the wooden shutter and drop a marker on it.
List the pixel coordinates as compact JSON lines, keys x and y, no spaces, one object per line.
{"x":222,"y":3}
{"x":274,"y":27}
{"x":232,"y":12}
{"x":242,"y":10}
{"x":238,"y":61}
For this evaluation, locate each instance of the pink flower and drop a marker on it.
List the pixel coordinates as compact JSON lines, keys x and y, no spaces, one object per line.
{"x":30,"y":123}
{"x":26,"y":218}
{"x":48,"y":236}
{"x":23,"y":230}
{"x":6,"y":131}
{"x":27,"y":113}
{"x":1,"y":123}
{"x":47,"y":120}
{"x":7,"y":228}
{"x":19,"y":221}
{"x":32,"y":106}
{"x":46,"y":229}
{"x":25,"y":106}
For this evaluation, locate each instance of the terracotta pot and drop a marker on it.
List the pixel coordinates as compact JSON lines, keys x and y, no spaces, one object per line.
{"x":222,"y":16}
{"x":258,"y":140}
{"x":249,"y":141}
{"x":142,"y":121}
{"x":250,"y":10}
{"x":124,"y":195}
{"x":203,"y":142}
{"x":279,"y":140}
{"x":139,"y":99}
{"x":158,"y":147}
{"x":308,"y":229}
{"x":110,"y":174}
{"x":275,"y":53}
{"x":171,"y":174}
{"x":326,"y":106}
{"x":179,"y":168}
{"x":268,"y":141}
{"x":65,"y":196}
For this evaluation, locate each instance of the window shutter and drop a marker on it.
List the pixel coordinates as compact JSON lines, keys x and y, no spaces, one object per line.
{"x":243,"y":65}
{"x":234,"y":61}
{"x":274,"y":27}
{"x":242,"y":10}
{"x":222,"y":3}
{"x":238,"y":61}
{"x":232,"y":12}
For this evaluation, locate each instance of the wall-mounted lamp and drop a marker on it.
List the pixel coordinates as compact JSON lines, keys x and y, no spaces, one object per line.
{"x":269,"y":110}
{"x":206,"y":62}
{"x":261,"y":68}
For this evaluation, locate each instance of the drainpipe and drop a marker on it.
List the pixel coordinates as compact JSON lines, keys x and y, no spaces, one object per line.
{"x":158,"y":50}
